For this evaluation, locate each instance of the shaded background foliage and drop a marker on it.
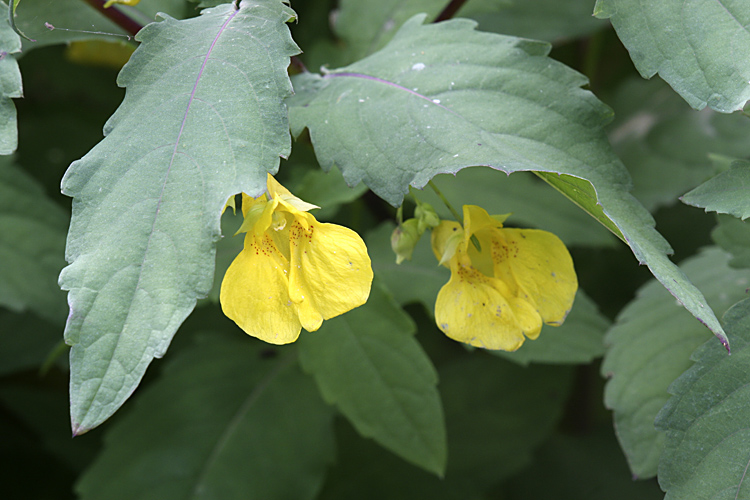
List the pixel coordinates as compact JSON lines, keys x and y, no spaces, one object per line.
{"x":223,"y":410}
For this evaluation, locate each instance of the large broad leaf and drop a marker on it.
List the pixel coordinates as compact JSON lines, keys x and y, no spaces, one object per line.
{"x":10,"y":84}
{"x":368,"y":363}
{"x":727,"y":193}
{"x":702,"y":49}
{"x":667,"y":146}
{"x":32,"y":246}
{"x":202,"y":119}
{"x":228,"y":419}
{"x":442,"y":97}
{"x":733,"y":235}
{"x":708,"y":440}
{"x":650,"y":346}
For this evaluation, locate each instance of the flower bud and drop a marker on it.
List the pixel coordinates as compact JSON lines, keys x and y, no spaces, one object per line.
{"x":404,"y":239}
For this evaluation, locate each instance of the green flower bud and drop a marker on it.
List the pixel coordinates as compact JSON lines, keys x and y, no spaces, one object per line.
{"x":404,"y":239}
{"x":426,"y":216}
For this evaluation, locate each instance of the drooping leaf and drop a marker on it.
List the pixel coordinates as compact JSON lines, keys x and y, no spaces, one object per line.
{"x":32,"y":246}
{"x":202,"y":120}
{"x":442,"y":97}
{"x":727,"y":193}
{"x":497,"y":413}
{"x":702,"y":49}
{"x":10,"y":84}
{"x":369,"y":365}
{"x":733,"y":235}
{"x":650,"y":346}
{"x":667,"y":146}
{"x":580,"y":339}
{"x":228,"y":419}
{"x":707,"y":437}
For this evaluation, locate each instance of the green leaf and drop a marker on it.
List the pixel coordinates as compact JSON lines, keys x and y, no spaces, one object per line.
{"x":497,"y":414}
{"x":578,"y":340}
{"x":649,"y":347}
{"x":229,"y":418}
{"x":328,"y":190}
{"x":727,"y":193}
{"x":442,"y":97}
{"x":10,"y":85}
{"x":25,"y":341}
{"x":733,"y":235}
{"x":702,"y":49}
{"x":369,"y":365}
{"x":32,"y":246}
{"x":667,"y":146}
{"x":707,"y":438}
{"x":148,"y":198}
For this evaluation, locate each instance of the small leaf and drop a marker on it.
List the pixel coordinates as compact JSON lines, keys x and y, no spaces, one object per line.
{"x":707,"y":439}
{"x":727,"y":193}
{"x":580,"y":339}
{"x":702,"y":49}
{"x":442,"y":97}
{"x":149,"y":197}
{"x":10,"y":85}
{"x":649,"y":347}
{"x":368,"y":363}
{"x":32,"y":246}
{"x":733,"y":235}
{"x":229,"y":418}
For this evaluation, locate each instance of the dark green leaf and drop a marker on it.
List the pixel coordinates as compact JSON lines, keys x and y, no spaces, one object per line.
{"x":32,"y":246}
{"x":229,"y":419}
{"x":702,"y":49}
{"x":707,"y":437}
{"x":369,"y":365}
{"x":148,"y":198}
{"x":578,"y":340}
{"x":442,"y":97}
{"x":733,"y":235}
{"x":727,"y":193}
{"x":10,"y":84}
{"x":25,"y":341}
{"x":649,"y":347}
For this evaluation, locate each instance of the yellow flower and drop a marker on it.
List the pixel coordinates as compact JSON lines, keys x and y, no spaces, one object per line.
{"x":294,"y":271}
{"x":516,"y":280}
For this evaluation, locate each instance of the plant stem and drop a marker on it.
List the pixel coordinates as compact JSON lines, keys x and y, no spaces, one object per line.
{"x":450,"y":10}
{"x":116,"y":16}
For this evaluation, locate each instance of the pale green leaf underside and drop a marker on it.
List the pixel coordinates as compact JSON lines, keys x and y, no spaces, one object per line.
{"x":190,"y":434}
{"x":707,"y":449}
{"x":202,"y":119}
{"x":650,"y":346}
{"x":369,"y":365}
{"x":442,"y":97}
{"x":727,"y":193}
{"x":10,"y":84}
{"x":32,"y":245}
{"x":702,"y":49}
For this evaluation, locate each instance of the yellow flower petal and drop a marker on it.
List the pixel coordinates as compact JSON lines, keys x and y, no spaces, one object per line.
{"x":330,"y":271}
{"x":471,"y":308}
{"x":255,"y":295}
{"x":446,"y":238}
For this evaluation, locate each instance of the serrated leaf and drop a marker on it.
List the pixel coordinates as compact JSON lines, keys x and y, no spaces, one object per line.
{"x":148,"y":198}
{"x":701,"y":49}
{"x":10,"y":84}
{"x":649,"y":347}
{"x":726,"y":193}
{"x":707,"y":438}
{"x":228,"y":419}
{"x":733,"y":235}
{"x":580,"y":339}
{"x":32,"y":245}
{"x":442,"y":97}
{"x":369,"y":365}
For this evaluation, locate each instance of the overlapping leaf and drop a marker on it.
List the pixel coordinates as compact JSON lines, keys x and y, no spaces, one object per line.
{"x":727,"y":193}
{"x":32,"y":246}
{"x":368,"y":363}
{"x":442,"y":97}
{"x":706,"y":421}
{"x":702,"y":49}
{"x":227,"y":419}
{"x":733,"y":235}
{"x":650,"y":346}
{"x":202,"y":119}
{"x":10,"y":84}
